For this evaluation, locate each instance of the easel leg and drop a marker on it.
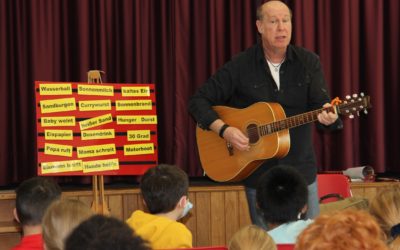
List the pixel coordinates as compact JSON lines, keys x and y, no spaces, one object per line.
{"x":99,"y":204}
{"x":99,"y":201}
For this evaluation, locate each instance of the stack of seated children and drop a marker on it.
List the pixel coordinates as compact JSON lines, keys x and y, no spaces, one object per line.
{"x":281,"y":199}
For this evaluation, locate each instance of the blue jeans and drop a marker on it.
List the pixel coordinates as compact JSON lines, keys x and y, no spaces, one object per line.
{"x":256,"y":217}
{"x":313,"y":201}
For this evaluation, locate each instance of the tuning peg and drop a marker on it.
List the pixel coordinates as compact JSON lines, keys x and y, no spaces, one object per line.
{"x":358,"y":113}
{"x":348,"y":97}
{"x":355,"y":95}
{"x":351,"y":116}
{"x":365,"y":111}
{"x":362,"y":94}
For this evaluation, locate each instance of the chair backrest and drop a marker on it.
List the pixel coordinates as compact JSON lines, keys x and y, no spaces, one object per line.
{"x":285,"y":246}
{"x":204,"y":248}
{"x":333,"y":184}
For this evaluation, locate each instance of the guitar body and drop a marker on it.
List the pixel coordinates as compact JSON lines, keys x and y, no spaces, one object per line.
{"x":222,"y":164}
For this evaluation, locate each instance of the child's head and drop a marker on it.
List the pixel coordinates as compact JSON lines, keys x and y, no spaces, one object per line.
{"x":163,"y":187}
{"x":385,"y":207}
{"x":282,"y":195}
{"x":102,"y":232}
{"x":60,"y":219}
{"x":251,"y":237}
{"x":33,"y":196}
{"x":348,"y":229}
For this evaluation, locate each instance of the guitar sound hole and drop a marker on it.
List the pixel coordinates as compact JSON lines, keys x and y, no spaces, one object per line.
{"x":252,"y":133}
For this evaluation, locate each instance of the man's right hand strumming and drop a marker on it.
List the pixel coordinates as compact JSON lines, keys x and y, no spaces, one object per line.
{"x":231,"y":134}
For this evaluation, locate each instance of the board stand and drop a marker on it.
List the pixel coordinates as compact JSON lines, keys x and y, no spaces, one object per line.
{"x":99,"y":204}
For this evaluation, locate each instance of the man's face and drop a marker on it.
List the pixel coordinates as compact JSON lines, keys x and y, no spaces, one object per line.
{"x":275,"y":26}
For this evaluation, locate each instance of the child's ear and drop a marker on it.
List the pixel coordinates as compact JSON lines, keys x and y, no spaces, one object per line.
{"x":304,"y":209}
{"x":16,"y":215}
{"x":144,"y":202}
{"x":182,"y":201}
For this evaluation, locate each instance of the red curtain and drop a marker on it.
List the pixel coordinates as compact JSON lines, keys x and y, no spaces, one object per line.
{"x":178,"y":44}
{"x":358,"y":43}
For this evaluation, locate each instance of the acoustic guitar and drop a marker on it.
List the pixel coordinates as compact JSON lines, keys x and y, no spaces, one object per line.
{"x":267,"y":128}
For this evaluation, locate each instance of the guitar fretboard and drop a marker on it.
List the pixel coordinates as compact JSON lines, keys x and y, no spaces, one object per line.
{"x":308,"y":117}
{"x":293,"y":121}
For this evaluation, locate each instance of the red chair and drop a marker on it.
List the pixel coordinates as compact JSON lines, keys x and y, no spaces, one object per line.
{"x":285,"y":246}
{"x":333,"y":184}
{"x":204,"y":248}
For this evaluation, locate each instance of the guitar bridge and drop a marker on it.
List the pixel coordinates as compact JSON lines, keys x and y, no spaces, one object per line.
{"x":230,"y":148}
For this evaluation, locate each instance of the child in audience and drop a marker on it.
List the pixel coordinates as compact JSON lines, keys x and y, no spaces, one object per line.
{"x":282,"y":198}
{"x":348,"y":229}
{"x":165,"y":193}
{"x":60,"y":219}
{"x":385,"y":207}
{"x":33,"y":196}
{"x":251,"y":237}
{"x":104,"y":233}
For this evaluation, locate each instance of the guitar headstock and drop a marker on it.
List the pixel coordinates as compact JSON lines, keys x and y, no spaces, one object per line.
{"x":354,"y":104}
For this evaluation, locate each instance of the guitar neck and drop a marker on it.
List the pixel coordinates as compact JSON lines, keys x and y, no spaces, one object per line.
{"x":293,"y":121}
